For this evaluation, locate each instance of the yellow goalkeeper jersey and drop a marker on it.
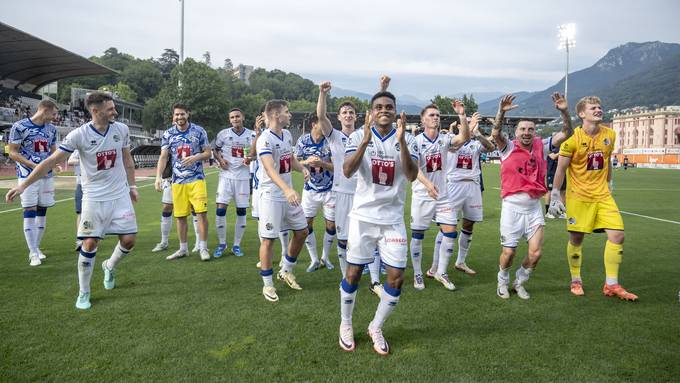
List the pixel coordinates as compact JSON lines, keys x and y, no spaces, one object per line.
{"x":587,"y":173}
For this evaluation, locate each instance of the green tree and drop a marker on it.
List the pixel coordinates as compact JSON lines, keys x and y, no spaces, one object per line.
{"x":167,"y":62}
{"x":470,"y":104}
{"x":443,"y":103}
{"x":335,"y":102}
{"x":301,"y":106}
{"x":121,"y":90}
{"x":144,"y":77}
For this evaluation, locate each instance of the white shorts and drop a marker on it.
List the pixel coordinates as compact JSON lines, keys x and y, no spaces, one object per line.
{"x":167,"y":191}
{"x":40,"y":193}
{"x":466,"y":196}
{"x":520,"y":221}
{"x":312,"y":201}
{"x":390,"y":239}
{"x":277,"y":216}
{"x":100,"y":218}
{"x":424,"y":211}
{"x":238,"y":190}
{"x":343,"y":205}
{"x":256,"y":202}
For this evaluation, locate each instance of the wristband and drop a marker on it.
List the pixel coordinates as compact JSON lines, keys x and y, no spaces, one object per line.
{"x":133,"y":187}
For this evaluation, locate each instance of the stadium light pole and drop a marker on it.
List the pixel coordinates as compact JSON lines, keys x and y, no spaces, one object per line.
{"x":181,"y":33}
{"x":566,"y":33}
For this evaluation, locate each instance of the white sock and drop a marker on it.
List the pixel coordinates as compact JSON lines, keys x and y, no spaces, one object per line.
{"x":522,"y":275}
{"x":503,"y":276}
{"x":118,"y":253}
{"x":435,"y":254}
{"x":166,"y":226}
{"x":40,"y":221}
{"x":86,"y":262}
{"x":29,"y":233}
{"x":239,"y":229}
{"x":310,"y":243}
{"x":195,"y":218}
{"x":388,"y":301}
{"x":184,"y":246}
{"x":348,"y":294}
{"x":445,"y":253}
{"x":267,"y":277}
{"x":327,"y":243}
{"x":221,"y":228}
{"x":374,"y":269}
{"x":342,"y":255}
{"x":417,"y":255}
{"x":288,"y":264}
{"x":283,"y":237}
{"x":463,"y":246}
{"x":203,"y":245}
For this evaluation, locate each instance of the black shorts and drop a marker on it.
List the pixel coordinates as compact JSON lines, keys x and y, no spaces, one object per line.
{"x":550,"y":177}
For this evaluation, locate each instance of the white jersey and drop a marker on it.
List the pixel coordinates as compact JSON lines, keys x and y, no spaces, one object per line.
{"x":464,"y":164}
{"x":103,"y":175}
{"x":433,"y":158}
{"x":76,"y":167}
{"x":234,"y":147}
{"x":281,"y":150}
{"x":381,"y":183}
{"x":338,"y":142}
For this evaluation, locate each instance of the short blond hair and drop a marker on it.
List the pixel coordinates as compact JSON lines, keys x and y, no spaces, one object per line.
{"x":581,"y":105}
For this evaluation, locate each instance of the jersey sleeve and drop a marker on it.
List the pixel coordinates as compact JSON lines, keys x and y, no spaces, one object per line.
{"x":203,"y":140}
{"x":126,"y":136}
{"x":165,"y":141}
{"x":15,"y":135}
{"x":264,"y":147}
{"x":53,"y":141}
{"x":547,"y":147}
{"x":568,"y":147}
{"x":509,"y":147}
{"x":72,"y":141}
{"x":354,"y":140}
{"x":412,"y":145}
{"x":300,"y":148}
{"x":219,"y":140}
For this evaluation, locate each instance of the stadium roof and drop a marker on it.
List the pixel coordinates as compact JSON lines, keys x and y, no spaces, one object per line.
{"x":28,"y":63}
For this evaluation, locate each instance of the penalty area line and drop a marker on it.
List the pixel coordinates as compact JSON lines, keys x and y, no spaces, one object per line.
{"x":648,"y":217}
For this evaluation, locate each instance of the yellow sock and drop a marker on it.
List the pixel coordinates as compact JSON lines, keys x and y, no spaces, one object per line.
{"x":612,"y":259}
{"x":574,"y":258}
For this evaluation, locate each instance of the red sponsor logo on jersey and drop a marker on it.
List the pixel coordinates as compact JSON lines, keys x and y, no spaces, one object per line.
{"x":464,"y":161}
{"x":284,"y":163}
{"x":433,"y":162}
{"x":595,"y":161}
{"x":383,"y":171}
{"x":106,"y":159}
{"x":237,"y":152}
{"x":41,"y":146}
{"x":183,"y":151}
{"x":397,"y":240}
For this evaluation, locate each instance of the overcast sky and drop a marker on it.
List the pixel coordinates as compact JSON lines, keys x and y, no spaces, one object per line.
{"x":428,"y":47}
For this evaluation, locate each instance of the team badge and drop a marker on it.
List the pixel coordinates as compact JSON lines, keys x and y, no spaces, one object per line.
{"x":572,"y":220}
{"x":116,"y":137}
{"x":269,"y":226}
{"x":606,"y":141}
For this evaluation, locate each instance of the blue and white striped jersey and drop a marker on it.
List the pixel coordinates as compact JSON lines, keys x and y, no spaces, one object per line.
{"x":182,"y":144}
{"x":35,"y":143}
{"x":321,"y":180}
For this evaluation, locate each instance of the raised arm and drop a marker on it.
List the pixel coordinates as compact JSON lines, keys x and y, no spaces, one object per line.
{"x":567,"y":129}
{"x":506,"y":104}
{"x":384,"y":82}
{"x":464,"y":130}
{"x":321,"y":107}
{"x":409,"y":164}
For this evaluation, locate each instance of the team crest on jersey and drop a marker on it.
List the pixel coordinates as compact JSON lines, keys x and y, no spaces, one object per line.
{"x":606,"y":141}
{"x":397,"y":146}
{"x":116,"y":137}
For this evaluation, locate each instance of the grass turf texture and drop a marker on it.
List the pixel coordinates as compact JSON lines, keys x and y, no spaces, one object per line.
{"x":189,"y":320}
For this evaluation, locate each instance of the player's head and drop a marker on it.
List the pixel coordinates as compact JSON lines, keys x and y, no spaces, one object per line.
{"x":525,"y":132}
{"x":383,"y":109}
{"x":180,"y":114}
{"x":314,"y":122}
{"x":101,"y":106}
{"x":589,"y":109}
{"x":347,"y":114}
{"x":430,"y":117}
{"x":277,"y":113}
{"x":236,"y":118}
{"x":48,"y":110}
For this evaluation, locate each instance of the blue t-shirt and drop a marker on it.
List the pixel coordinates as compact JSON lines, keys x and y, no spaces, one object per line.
{"x":182,"y":144}
{"x":35,"y":143}
{"x":321,"y":180}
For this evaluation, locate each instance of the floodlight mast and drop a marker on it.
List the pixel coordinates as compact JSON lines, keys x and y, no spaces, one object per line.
{"x":181,"y":33}
{"x":566,"y":33}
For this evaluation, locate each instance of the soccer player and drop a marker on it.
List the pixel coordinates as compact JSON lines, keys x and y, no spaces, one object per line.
{"x":108,"y":179}
{"x":32,"y":140}
{"x":430,"y":199}
{"x":385,"y":160}
{"x":279,"y":204}
{"x":523,"y":170}
{"x":187,"y":144}
{"x":313,"y":152}
{"x":232,"y":147}
{"x":550,"y":177}
{"x":584,"y":158}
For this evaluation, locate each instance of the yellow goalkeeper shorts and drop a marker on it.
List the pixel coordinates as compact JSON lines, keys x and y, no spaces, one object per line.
{"x":588,"y":217}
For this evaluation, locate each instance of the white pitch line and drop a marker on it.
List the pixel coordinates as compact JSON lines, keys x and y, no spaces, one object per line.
{"x":648,"y":217}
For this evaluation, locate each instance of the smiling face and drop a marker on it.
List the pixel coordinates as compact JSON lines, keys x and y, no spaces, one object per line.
{"x":347,"y":116}
{"x":180,"y":117}
{"x":591,"y":113}
{"x":383,"y":111}
{"x":525,"y":132}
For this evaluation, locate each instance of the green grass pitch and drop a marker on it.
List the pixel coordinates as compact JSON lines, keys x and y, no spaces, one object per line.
{"x":189,"y":320}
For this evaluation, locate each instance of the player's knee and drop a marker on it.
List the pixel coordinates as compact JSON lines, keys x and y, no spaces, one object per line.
{"x":89,"y":244}
{"x":241,"y":211}
{"x":468,"y":225}
{"x":330,"y":227}
{"x":41,"y":211}
{"x":167,"y":208}
{"x":267,"y":243}
{"x":535,"y":254}
{"x":395,"y":280}
{"x":221,"y":211}
{"x":576,"y":238}
{"x":302,"y":234}
{"x":616,"y":237}
{"x":127,"y":243}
